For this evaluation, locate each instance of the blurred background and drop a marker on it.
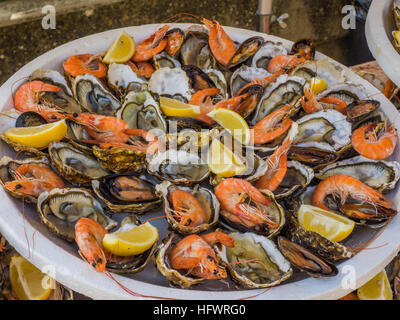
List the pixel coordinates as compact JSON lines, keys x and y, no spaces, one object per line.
{"x":22,"y":37}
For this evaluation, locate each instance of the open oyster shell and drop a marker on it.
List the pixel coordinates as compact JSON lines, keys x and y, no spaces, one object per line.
{"x":266,"y":52}
{"x":108,"y":189}
{"x":269,"y":267}
{"x":60,"y":209}
{"x":122,"y":79}
{"x":205,"y":196}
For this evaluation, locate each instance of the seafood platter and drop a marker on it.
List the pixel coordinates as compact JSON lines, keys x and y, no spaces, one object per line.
{"x":112,"y":175}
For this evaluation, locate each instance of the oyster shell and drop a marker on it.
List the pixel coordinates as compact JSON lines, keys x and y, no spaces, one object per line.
{"x":60,"y":209}
{"x":164,"y":60}
{"x":122,"y":79}
{"x":205,"y":196}
{"x":347,"y":91}
{"x":245,"y":75}
{"x":380,"y":175}
{"x":313,"y":153}
{"x":132,"y":264}
{"x":267,"y":51}
{"x":178,"y":167}
{"x":219,"y":80}
{"x":171,"y":82}
{"x":126,"y":193}
{"x":141,"y":110}
{"x":94,"y":97}
{"x":53,"y":77}
{"x":74,"y":163}
{"x":268,"y":268}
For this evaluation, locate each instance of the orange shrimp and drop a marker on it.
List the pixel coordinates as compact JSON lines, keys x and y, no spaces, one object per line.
{"x":243,"y":104}
{"x":110,"y":131}
{"x":81,"y":64}
{"x":277,"y":168}
{"x":187,"y":210}
{"x":244,"y":204}
{"x":202,"y":98}
{"x":89,"y":236}
{"x":373,"y":142}
{"x":310,"y":104}
{"x":27,"y":98}
{"x":366,"y":202}
{"x":175,"y":39}
{"x":195,"y":254}
{"x":335,"y":103}
{"x":284,"y":63}
{"x":272,"y":126}
{"x":32,"y":179}
{"x":143,"y":69}
{"x":221,"y":45}
{"x":151,"y":46}
{"x":263,"y":81}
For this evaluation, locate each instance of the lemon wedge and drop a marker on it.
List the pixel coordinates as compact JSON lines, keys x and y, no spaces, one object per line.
{"x":378,"y":288}
{"x":396,"y":36}
{"x":122,"y":49}
{"x":233,"y":122}
{"x":176,"y":108}
{"x":328,"y":224}
{"x":134,"y":241}
{"x":222,"y":161}
{"x":39,"y":136}
{"x":318,"y":85}
{"x":27,"y":281}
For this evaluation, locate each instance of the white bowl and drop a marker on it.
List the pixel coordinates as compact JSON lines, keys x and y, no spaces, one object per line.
{"x":378,"y":31}
{"x":31,"y":239}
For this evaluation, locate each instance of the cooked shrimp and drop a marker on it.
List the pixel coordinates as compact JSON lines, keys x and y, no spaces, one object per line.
{"x":202,"y":98}
{"x":244,"y":204}
{"x":27,"y":98}
{"x":195,"y":254}
{"x":277,"y":168}
{"x":151,"y":46}
{"x":32,"y":179}
{"x":374,"y":141}
{"x":310,"y":104}
{"x":143,"y":69}
{"x":89,"y":236}
{"x":272,"y":126}
{"x":221,"y":45}
{"x":284,"y":63}
{"x":81,"y":64}
{"x":370,"y":204}
{"x":187,"y":210}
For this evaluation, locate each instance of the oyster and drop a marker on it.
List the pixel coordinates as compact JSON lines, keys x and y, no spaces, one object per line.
{"x":267,"y":266}
{"x":305,"y":260}
{"x":94,"y":97}
{"x":122,"y":79}
{"x":9,"y":165}
{"x":219,"y":80}
{"x":286,"y":90}
{"x":313,"y":153}
{"x":60,"y":209}
{"x":205,"y":197}
{"x":380,"y":175}
{"x":74,"y":163}
{"x":245,"y":75}
{"x":297,"y":178}
{"x":131,"y":264}
{"x":169,"y":82}
{"x":347,"y":91}
{"x":141,"y":110}
{"x":174,"y":277}
{"x":267,"y":51}
{"x":52,"y":77}
{"x":126,"y":193}
{"x":179,"y":167}
{"x":164,"y":60}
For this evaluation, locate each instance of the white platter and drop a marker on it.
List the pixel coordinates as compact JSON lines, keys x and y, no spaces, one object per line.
{"x":43,"y":249}
{"x":378,"y":31}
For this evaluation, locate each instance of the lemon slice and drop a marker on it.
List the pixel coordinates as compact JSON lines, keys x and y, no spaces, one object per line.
{"x":378,"y":288}
{"x":39,"y":136}
{"x":223,"y":162}
{"x":122,"y":49}
{"x":233,"y":122}
{"x":176,"y":108}
{"x":134,"y":241}
{"x":318,"y":85}
{"x":328,"y":224}
{"x":27,"y":281}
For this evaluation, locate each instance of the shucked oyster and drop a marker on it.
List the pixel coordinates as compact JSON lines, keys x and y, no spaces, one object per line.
{"x":74,"y":163}
{"x":126,"y":193}
{"x":262,"y":266}
{"x":60,"y":209}
{"x":123,"y":79}
{"x":175,"y":216}
{"x":380,"y":175}
{"x":179,"y":167}
{"x":94,"y":96}
{"x":245,"y":75}
{"x":267,"y":51}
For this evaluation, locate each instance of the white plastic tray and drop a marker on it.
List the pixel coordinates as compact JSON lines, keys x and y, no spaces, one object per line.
{"x":38,"y":245}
